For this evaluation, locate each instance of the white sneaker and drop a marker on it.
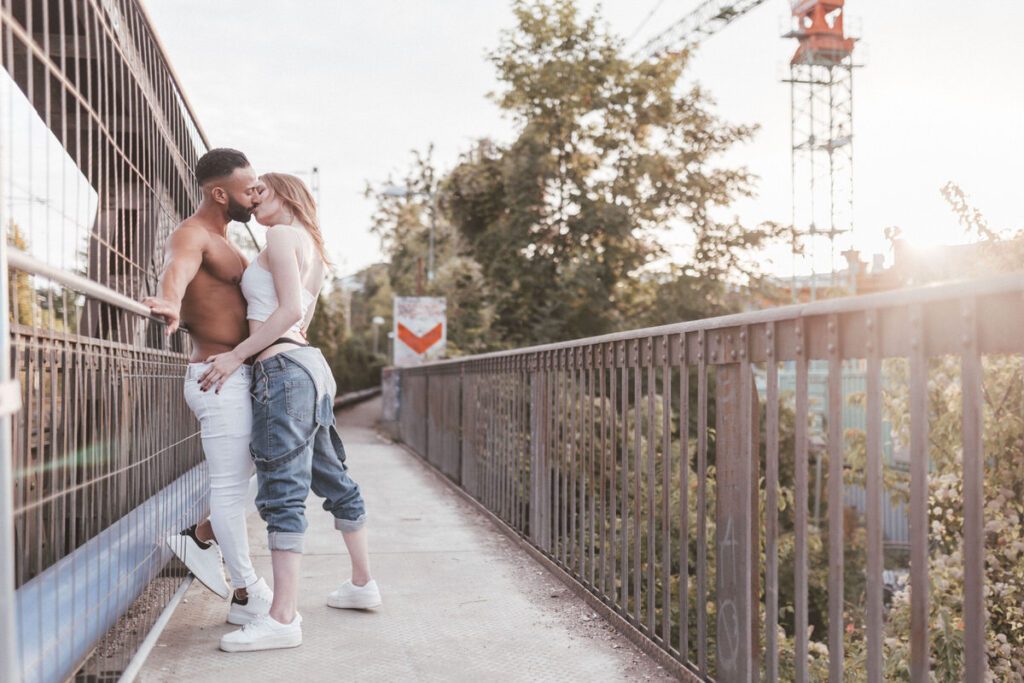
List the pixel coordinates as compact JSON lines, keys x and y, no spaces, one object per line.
{"x":263,"y":633}
{"x":351,"y":596}
{"x":256,"y":604}
{"x":203,"y":559}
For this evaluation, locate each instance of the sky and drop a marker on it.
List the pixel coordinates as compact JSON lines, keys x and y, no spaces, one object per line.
{"x":353,"y":86}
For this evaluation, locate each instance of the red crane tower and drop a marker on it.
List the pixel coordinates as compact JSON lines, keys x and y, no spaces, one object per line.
{"x":821,"y":95}
{"x":821,"y":80}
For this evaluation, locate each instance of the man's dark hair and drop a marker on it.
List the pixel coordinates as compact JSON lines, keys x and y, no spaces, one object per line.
{"x":219,"y":163}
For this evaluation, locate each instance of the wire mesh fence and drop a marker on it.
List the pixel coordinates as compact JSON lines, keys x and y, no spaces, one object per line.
{"x":690,"y":479}
{"x":97,"y":143}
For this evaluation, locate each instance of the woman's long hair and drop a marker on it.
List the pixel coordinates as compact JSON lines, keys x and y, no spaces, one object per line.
{"x":298,"y":199}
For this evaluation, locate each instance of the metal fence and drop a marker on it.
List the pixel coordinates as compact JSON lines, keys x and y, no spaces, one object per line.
{"x":102,"y":460}
{"x":649,"y":467}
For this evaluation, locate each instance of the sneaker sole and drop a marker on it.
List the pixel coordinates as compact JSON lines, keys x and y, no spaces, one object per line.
{"x":357,"y":604}
{"x":276,"y":643}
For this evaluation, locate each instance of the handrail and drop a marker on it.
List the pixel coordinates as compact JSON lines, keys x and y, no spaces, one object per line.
{"x":29,"y":264}
{"x":1000,"y":284}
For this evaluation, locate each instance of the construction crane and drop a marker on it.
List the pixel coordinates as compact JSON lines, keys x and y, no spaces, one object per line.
{"x":708,"y":18}
{"x":821,"y":105}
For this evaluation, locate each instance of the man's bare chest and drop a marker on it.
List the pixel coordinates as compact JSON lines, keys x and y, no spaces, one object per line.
{"x":225,"y":263}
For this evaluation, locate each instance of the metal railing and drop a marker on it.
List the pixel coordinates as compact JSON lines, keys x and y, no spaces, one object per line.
{"x":648,"y":466}
{"x":103,"y":461}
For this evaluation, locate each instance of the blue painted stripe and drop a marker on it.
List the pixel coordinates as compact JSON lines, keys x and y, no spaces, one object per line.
{"x":64,"y":612}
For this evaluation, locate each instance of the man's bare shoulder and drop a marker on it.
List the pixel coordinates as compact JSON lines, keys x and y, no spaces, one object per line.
{"x":190,"y":234}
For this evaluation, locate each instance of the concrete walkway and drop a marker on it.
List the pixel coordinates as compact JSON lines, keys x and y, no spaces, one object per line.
{"x":461,"y":601}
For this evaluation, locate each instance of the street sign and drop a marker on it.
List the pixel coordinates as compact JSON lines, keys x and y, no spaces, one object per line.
{"x":421,"y":329}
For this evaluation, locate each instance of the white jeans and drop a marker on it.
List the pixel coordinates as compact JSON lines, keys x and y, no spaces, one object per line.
{"x":225,"y":422}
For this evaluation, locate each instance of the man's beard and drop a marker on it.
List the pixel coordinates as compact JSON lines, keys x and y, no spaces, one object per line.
{"x":237,"y":212}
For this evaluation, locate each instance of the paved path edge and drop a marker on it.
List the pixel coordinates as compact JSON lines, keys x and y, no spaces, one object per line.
{"x":631,"y":633}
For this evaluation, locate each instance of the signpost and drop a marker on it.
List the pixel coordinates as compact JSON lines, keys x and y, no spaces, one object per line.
{"x":421,"y":329}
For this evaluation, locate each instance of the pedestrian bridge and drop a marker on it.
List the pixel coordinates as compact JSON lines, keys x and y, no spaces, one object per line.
{"x":701,"y":501}
{"x":462,"y":601}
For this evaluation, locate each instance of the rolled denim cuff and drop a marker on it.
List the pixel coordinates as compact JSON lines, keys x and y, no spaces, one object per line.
{"x":349,"y":524}
{"x":286,"y":540}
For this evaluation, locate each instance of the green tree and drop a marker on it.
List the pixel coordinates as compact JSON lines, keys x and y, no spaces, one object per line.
{"x":342,"y":327}
{"x":403,"y":222}
{"x":1003,"y":407}
{"x":22,"y":304}
{"x":566,"y":219}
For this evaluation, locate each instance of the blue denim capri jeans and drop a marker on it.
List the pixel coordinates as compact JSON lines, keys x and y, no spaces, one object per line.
{"x":295,"y":446}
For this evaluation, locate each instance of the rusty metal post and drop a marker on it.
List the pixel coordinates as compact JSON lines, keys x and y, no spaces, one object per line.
{"x":735,"y":560}
{"x":538,"y":455}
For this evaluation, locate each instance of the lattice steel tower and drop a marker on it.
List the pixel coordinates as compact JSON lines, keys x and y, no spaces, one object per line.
{"x":821,"y":91}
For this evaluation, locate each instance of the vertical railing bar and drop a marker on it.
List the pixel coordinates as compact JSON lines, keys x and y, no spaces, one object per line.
{"x":650,"y":486}
{"x":555,"y":457}
{"x":873,"y":481}
{"x":522,"y":439}
{"x":540,"y":510}
{"x":613,"y":463}
{"x":556,"y":454}
{"x":800,"y":513}
{"x":491,"y":438}
{"x":515,"y":449}
{"x":526,"y":417}
{"x":836,"y":535}
{"x":573,"y":461}
{"x":507,"y":442}
{"x":771,"y":508}
{"x":684,"y":501}
{"x":510,"y":441}
{"x":602,"y":355}
{"x":483,"y":435}
{"x":501,"y":447}
{"x":702,"y":472}
{"x":581,"y":464}
{"x":624,"y":548}
{"x":496,"y":451}
{"x":666,"y":486}
{"x":919,"y":649}
{"x":551,"y":483}
{"x":519,"y":442}
{"x":498,"y":379}
{"x":582,"y":473}
{"x":563,"y":459}
{"x":592,"y":352}
{"x":637,"y":475}
{"x":974,"y":497}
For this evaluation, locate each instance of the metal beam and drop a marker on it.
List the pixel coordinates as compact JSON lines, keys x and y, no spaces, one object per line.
{"x":710,"y":17}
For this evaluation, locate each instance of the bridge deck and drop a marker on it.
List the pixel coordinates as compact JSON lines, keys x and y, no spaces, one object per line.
{"x":461,"y":601}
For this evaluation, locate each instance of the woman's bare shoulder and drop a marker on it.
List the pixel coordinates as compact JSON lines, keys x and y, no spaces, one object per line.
{"x":283,"y":235}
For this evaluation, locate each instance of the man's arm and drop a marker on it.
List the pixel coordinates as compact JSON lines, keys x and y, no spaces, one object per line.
{"x":185,"y":249}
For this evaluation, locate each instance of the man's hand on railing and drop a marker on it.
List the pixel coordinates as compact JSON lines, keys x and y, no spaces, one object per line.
{"x":162,"y":308}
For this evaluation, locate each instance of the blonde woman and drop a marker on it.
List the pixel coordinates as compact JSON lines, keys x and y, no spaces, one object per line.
{"x":295,"y":444}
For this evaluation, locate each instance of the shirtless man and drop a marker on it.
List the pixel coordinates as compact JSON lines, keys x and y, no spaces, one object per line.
{"x":200,"y":287}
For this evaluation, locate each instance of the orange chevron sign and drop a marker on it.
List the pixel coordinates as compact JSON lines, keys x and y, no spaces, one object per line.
{"x":419,"y":343}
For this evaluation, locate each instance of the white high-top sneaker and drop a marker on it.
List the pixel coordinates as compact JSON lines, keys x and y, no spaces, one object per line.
{"x":263,"y":633}
{"x":256,"y":604}
{"x":351,"y":596}
{"x":203,"y":559}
